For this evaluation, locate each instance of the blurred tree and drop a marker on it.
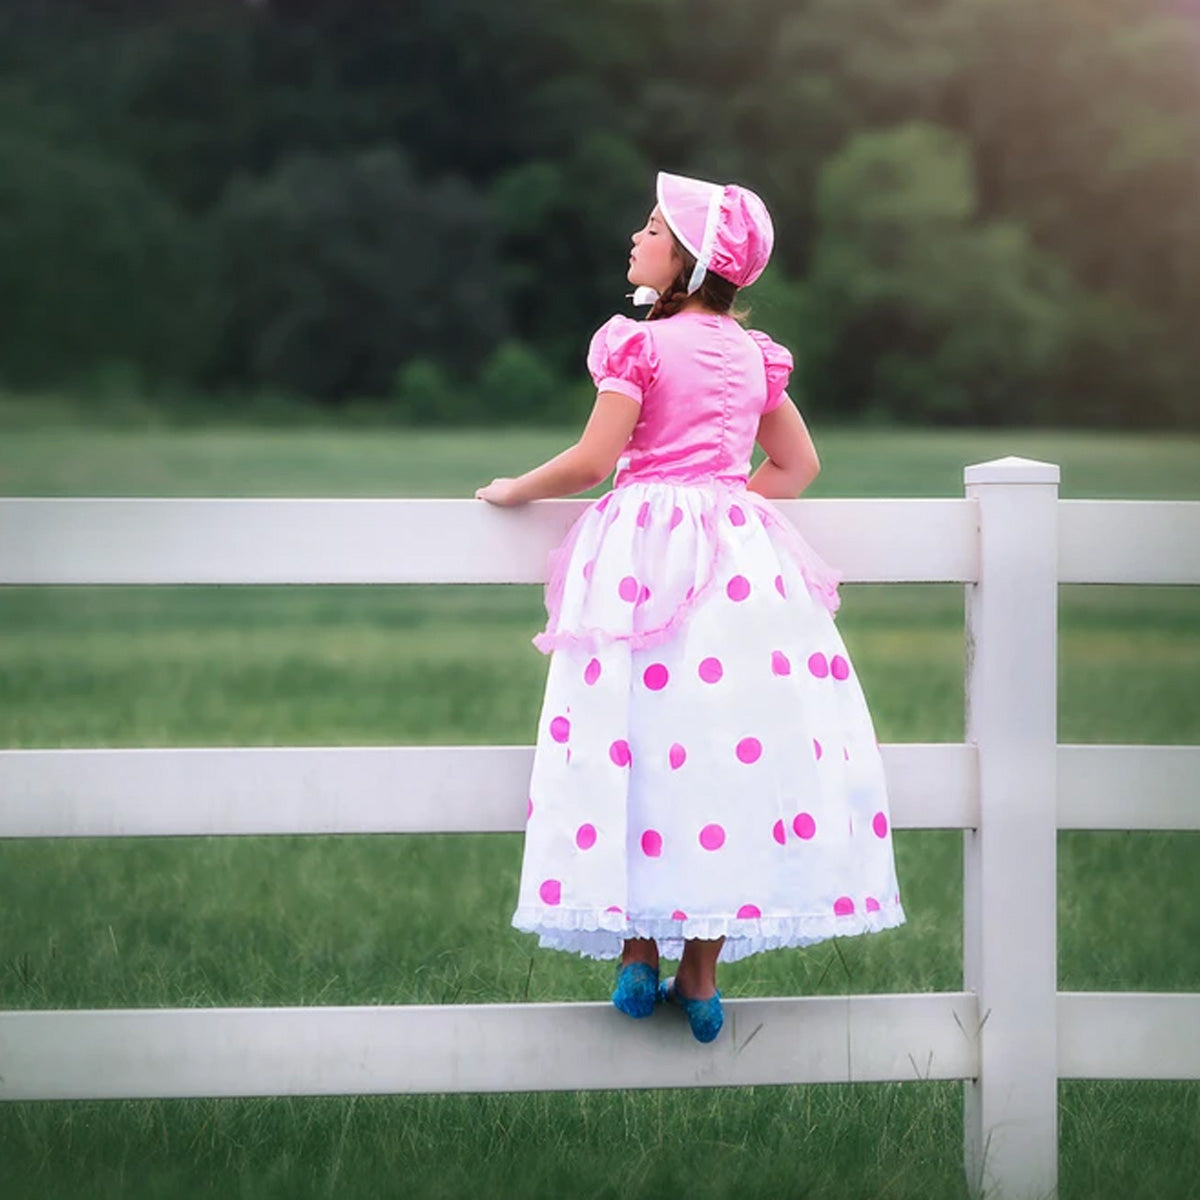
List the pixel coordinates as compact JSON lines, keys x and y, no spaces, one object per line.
{"x":339,"y":268}
{"x":1084,"y":120}
{"x":95,"y":269}
{"x":566,"y":228}
{"x":914,"y":307}
{"x":1080,"y":121}
{"x":516,"y":386}
{"x":424,"y":394}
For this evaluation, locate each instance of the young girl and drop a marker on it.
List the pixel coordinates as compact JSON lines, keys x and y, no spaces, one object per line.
{"x":706,"y":780}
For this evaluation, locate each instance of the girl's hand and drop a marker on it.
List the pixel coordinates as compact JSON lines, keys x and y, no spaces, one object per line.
{"x":501,"y":492}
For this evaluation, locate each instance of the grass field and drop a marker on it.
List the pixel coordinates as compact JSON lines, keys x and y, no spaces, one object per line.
{"x":348,"y":920}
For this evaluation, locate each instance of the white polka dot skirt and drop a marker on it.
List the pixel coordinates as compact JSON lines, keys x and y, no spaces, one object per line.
{"x":708,"y":768}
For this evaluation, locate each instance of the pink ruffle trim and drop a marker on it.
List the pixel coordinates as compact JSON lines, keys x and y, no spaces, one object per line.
{"x":821,"y":579}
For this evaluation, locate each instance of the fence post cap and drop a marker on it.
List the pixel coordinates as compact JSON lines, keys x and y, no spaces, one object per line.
{"x":1012,"y":469}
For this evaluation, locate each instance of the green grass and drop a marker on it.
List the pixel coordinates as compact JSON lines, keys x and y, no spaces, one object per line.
{"x":64,"y":460}
{"x":349,"y":920}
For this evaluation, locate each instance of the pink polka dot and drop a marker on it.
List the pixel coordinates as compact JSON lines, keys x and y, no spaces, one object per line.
{"x":604,"y":502}
{"x":655,"y":677}
{"x":591,"y":672}
{"x":551,"y":891}
{"x":643,"y":595}
{"x":872,"y":904}
{"x":804,"y":825}
{"x":568,"y":754}
{"x":843,"y":906}
{"x":749,"y":911}
{"x":846,"y":753}
{"x":779,"y":586}
{"x":779,"y":833}
{"x":628,"y":589}
{"x":529,"y":808}
{"x":736,"y":516}
{"x":738,"y":588}
{"x":677,"y":756}
{"x":780,"y":663}
{"x":817,"y":665}
{"x":711,"y":670}
{"x":749,"y":750}
{"x":712,"y":837}
{"x":839,"y":668}
{"x":817,"y":749}
{"x":585,"y":837}
{"x":643,"y":517}
{"x":652,"y":843}
{"x":619,"y":753}
{"x":676,"y":516}
{"x":560,"y":729}
{"x":679,"y":915}
{"x":614,"y":908}
{"x":588,"y":568}
{"x":879,"y":823}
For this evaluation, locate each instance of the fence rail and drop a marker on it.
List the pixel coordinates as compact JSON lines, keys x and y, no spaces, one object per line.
{"x":1009,"y":1035}
{"x":481,"y":789}
{"x":267,"y":541}
{"x":305,"y":1051}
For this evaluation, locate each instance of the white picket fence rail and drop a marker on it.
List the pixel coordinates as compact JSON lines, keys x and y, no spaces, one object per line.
{"x":1009,"y":1034}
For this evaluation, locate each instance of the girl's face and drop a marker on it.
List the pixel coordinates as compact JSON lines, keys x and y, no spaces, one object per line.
{"x":654,"y":261}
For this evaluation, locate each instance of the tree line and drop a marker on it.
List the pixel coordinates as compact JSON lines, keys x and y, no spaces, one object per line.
{"x":987,"y":211}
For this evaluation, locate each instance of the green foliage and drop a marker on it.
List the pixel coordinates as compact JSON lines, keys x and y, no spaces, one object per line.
{"x":281,"y":196}
{"x":518,"y":387}
{"x":339,"y":268}
{"x":96,"y":268}
{"x":424,"y":394}
{"x":961,"y":319}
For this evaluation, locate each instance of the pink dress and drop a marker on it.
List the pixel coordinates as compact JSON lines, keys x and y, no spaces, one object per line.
{"x":706,"y":765}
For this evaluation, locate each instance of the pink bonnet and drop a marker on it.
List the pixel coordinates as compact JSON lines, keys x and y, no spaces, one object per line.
{"x":727,"y":229}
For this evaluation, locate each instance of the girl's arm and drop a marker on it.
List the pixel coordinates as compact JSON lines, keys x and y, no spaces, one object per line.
{"x":791,"y":463}
{"x":588,"y":462}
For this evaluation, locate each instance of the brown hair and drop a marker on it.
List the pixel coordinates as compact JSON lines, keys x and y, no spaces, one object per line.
{"x":715,"y":293}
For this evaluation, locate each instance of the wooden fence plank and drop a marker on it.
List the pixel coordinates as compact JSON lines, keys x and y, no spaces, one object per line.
{"x":111,"y":1053}
{"x":374,"y":789}
{"x":122,"y":541}
{"x":1128,"y":1035}
{"x":1129,"y":787}
{"x":1129,"y":541}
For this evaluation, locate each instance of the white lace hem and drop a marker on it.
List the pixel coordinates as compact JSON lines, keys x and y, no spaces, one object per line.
{"x":600,"y":934}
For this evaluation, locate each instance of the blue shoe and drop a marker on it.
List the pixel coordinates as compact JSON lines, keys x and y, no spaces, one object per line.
{"x":636,"y":992}
{"x":704,"y":1016}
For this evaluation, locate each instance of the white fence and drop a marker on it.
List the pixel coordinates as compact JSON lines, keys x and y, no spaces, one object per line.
{"x":1009,"y":1034}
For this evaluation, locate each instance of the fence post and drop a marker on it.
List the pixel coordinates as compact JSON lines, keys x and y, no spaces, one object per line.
{"x":1009,"y":896}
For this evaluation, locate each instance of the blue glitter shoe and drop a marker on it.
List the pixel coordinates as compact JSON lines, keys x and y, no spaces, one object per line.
{"x":636,"y":992}
{"x":704,"y":1016}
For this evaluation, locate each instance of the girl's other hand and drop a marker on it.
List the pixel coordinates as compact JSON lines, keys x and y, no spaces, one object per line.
{"x":501,"y":492}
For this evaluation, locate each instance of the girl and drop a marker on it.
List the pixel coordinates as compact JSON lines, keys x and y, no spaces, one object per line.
{"x":706,"y":778}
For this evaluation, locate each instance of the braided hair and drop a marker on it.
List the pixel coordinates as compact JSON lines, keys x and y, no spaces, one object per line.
{"x":716,"y":294}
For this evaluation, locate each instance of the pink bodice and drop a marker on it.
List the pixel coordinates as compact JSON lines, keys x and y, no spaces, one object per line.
{"x":641,"y":560}
{"x":703,"y":383}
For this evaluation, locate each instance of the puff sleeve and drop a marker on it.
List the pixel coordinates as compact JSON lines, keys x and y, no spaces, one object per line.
{"x":778,"y":361}
{"x":621,"y":357}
